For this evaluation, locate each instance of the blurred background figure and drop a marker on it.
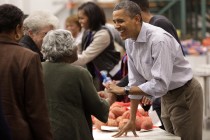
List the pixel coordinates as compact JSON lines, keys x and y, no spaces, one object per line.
{"x":72,"y":24}
{"x":98,"y":50}
{"x":118,"y":42}
{"x":35,"y":27}
{"x":21,"y":87}
{"x":72,"y":97}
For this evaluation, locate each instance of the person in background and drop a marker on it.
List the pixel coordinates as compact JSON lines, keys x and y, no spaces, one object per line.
{"x":35,"y":27}
{"x":98,"y":50}
{"x":72,"y":24}
{"x":157,"y":67}
{"x":71,"y":95}
{"x":118,"y":42}
{"x":21,"y":87}
{"x":115,"y":35}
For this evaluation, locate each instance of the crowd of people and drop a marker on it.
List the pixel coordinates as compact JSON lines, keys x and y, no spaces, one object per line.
{"x":50,"y":76}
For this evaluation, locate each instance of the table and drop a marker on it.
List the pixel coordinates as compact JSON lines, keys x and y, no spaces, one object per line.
{"x":204,"y":72}
{"x":154,"y":134}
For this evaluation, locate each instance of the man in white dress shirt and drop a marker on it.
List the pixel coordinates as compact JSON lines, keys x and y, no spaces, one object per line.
{"x":157,"y":67}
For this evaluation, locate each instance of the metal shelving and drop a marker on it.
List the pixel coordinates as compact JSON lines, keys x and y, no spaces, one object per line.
{"x":167,"y":7}
{"x":187,"y":16}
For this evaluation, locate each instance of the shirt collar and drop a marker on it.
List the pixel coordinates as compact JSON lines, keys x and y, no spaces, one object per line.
{"x":142,"y":34}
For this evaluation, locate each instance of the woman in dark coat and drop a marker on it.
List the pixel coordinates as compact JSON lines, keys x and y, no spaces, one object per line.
{"x":71,"y":95}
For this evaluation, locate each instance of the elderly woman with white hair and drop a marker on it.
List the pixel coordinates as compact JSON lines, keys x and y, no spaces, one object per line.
{"x":35,"y":27}
{"x":72,"y":97}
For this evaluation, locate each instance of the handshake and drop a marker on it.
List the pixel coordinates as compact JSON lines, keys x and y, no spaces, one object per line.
{"x":111,"y":92}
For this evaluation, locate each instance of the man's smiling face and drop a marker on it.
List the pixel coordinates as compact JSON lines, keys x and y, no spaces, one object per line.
{"x":126,"y":25}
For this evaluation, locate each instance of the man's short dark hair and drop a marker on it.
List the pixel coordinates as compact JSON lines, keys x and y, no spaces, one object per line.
{"x":130,"y":7}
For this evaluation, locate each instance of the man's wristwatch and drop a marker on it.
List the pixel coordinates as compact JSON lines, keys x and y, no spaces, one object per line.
{"x":127,"y":90}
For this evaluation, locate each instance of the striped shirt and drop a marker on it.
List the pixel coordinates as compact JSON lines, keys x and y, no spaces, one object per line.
{"x":155,"y":62}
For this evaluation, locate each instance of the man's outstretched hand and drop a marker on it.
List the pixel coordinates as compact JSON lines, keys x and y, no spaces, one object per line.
{"x":130,"y":126}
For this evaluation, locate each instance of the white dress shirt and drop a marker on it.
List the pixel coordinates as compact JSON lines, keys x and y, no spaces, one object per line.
{"x":155,"y":62}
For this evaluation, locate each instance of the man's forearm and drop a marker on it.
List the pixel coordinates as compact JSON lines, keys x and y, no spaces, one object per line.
{"x":136,"y":91}
{"x":134,"y":107}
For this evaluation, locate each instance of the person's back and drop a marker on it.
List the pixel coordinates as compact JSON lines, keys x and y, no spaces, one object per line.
{"x":71,"y":95}
{"x":17,"y":88}
{"x":70,"y":101}
{"x":5,"y":132}
{"x":21,"y":87}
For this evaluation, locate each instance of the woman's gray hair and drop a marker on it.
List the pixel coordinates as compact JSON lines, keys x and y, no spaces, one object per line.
{"x":58,"y":44}
{"x":38,"y":20}
{"x":130,"y":7}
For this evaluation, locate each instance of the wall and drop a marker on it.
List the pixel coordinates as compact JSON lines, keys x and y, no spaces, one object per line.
{"x":29,"y":6}
{"x":57,"y":7}
{"x":18,"y":3}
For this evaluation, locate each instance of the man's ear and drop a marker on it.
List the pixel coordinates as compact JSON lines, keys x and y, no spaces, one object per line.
{"x":138,"y":18}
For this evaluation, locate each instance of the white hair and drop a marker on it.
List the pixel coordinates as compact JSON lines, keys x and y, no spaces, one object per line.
{"x":38,"y":20}
{"x":58,"y":44}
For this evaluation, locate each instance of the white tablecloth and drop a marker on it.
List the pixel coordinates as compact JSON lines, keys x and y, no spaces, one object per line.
{"x":154,"y":134}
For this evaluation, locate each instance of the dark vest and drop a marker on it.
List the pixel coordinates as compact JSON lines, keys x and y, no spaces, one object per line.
{"x":104,"y":61}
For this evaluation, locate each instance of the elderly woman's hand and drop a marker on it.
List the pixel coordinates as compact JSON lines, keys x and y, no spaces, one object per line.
{"x":110,"y":97}
{"x":113,"y":88}
{"x":103,"y":94}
